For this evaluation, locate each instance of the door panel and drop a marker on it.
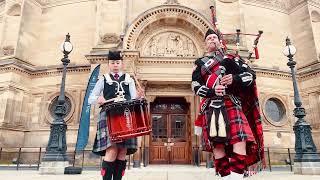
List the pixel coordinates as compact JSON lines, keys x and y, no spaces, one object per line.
{"x":159,"y":135}
{"x":180,"y":149}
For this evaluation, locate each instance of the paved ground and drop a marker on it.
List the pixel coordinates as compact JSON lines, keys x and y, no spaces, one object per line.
{"x":152,"y":173}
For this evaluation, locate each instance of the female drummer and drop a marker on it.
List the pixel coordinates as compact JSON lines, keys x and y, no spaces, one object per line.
{"x":114,"y":161}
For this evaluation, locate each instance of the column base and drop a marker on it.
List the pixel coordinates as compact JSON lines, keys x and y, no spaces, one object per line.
{"x":306,"y":168}
{"x":53,"y":167}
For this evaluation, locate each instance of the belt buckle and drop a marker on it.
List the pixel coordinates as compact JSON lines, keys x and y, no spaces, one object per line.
{"x":216,"y":103}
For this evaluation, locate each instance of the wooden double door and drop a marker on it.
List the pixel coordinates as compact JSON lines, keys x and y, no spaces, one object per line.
{"x":169,"y":142}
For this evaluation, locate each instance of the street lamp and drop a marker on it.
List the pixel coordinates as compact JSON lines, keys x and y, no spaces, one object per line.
{"x":56,"y":149}
{"x":305,"y":148}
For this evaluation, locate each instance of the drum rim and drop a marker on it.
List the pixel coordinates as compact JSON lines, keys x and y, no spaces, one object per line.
{"x":113,"y":105}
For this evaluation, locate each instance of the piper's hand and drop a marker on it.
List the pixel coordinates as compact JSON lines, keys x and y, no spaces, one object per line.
{"x":220,"y":90}
{"x":101,"y":100}
{"x":226,"y":80}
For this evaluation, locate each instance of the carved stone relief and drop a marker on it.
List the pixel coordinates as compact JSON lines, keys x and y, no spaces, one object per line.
{"x":110,"y":38}
{"x":171,"y":2}
{"x":14,"y":10}
{"x":2,"y":6}
{"x":7,"y":50}
{"x":315,"y":16}
{"x":170,"y":44}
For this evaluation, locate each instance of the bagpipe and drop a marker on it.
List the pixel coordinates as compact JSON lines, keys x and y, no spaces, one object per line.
{"x":237,"y":34}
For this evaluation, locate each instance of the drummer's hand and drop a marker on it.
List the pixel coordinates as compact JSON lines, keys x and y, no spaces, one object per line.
{"x":101,"y":100}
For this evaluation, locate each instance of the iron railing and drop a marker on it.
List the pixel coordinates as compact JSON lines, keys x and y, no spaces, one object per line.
{"x":22,"y":158}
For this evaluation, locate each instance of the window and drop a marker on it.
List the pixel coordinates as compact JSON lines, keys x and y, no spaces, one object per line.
{"x":274,"y":110}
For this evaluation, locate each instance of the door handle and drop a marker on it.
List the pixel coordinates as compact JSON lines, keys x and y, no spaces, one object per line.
{"x":169,"y":144}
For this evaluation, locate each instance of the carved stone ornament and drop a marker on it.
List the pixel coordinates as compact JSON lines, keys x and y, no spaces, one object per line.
{"x":110,"y":38}
{"x":171,"y":2}
{"x":170,"y":44}
{"x":8,"y":50}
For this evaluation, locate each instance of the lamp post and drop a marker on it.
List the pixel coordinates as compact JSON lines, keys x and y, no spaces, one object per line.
{"x":56,"y":149}
{"x":306,"y":151}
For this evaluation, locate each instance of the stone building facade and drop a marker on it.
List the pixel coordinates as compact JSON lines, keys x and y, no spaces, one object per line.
{"x":161,"y":40}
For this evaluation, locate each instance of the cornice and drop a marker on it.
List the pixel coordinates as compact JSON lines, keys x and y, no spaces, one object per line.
{"x":96,"y":59}
{"x":35,"y":2}
{"x":53,"y":3}
{"x":315,"y":3}
{"x":301,"y":76}
{"x":284,"y":6}
{"x":276,"y":5}
{"x":265,"y":72}
{"x":169,"y":60}
{"x":31,"y":71}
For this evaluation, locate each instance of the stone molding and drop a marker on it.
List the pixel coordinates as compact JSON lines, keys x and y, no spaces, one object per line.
{"x":53,"y":3}
{"x":31,"y":71}
{"x":228,"y":1}
{"x":315,"y":3}
{"x":264,"y":72}
{"x":285,"y":6}
{"x":96,"y":59}
{"x":156,"y":60}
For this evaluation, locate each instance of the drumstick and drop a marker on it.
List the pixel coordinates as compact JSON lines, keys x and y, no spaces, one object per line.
{"x":138,"y":84}
{"x":109,"y":100}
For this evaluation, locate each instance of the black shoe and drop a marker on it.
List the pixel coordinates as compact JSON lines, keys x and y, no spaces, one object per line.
{"x":107,"y":170}
{"x":120,"y":167}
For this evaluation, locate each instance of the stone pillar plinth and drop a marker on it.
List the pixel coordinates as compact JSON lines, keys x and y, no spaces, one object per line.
{"x":306,"y":168}
{"x":53,"y":167}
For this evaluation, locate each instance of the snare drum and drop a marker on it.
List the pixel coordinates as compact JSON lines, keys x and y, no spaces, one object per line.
{"x":127,"y":119}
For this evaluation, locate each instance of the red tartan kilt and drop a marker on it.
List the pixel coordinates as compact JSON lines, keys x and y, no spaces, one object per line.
{"x":239,"y":126}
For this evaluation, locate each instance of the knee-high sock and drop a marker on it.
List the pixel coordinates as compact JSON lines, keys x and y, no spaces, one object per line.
{"x":107,"y":170}
{"x":222,"y":166}
{"x":237,"y":163}
{"x":120,"y":167}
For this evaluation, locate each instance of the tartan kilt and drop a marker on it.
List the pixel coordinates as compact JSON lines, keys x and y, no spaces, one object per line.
{"x":238,"y":129}
{"x":102,"y":141}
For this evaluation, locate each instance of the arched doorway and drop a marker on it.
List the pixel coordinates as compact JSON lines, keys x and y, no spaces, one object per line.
{"x":170,"y":137}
